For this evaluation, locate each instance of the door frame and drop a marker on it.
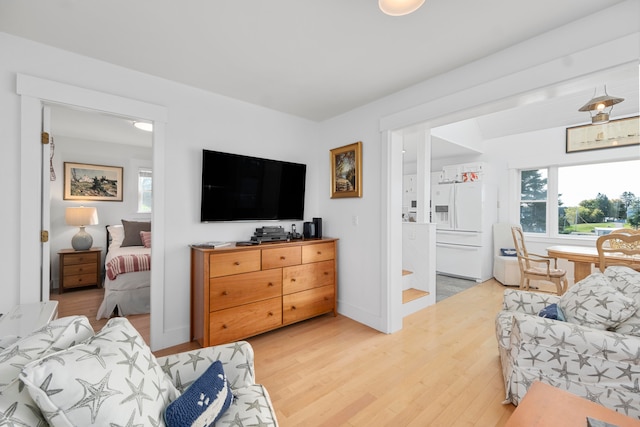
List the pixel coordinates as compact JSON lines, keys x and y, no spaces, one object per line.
{"x":34,"y":92}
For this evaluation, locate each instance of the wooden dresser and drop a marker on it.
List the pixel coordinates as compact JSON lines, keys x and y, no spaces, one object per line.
{"x":79,"y":268}
{"x":241,"y":291}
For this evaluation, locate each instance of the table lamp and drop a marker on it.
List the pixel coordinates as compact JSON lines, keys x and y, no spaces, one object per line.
{"x":80,"y":217}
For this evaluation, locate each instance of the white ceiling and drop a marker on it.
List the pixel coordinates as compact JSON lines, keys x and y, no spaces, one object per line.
{"x":315,"y":59}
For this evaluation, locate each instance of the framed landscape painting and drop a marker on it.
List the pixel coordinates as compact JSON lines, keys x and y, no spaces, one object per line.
{"x":616,"y":133}
{"x":346,"y":171}
{"x":92,"y":182}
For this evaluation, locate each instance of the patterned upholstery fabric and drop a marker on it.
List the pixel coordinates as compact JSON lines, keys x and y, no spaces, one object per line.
{"x":601,"y":366}
{"x":110,"y":379}
{"x":16,"y":405}
{"x":251,"y":405}
{"x":627,"y":281}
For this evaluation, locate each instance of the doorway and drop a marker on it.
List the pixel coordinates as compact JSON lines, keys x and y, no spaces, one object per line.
{"x":34,"y":92}
{"x":88,"y":137}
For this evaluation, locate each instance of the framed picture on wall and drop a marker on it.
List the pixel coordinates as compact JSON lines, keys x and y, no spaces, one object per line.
{"x":616,"y":133}
{"x":92,"y":182}
{"x":346,"y":171}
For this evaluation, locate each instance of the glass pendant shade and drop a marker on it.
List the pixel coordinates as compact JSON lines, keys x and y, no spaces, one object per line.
{"x":599,"y":107}
{"x":399,"y":7}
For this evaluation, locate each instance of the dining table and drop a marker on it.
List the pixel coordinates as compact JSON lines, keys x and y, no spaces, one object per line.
{"x":583,"y":257}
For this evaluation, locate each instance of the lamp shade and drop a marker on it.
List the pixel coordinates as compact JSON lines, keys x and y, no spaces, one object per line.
{"x":599,"y":107}
{"x":399,"y":7}
{"x":80,"y":216}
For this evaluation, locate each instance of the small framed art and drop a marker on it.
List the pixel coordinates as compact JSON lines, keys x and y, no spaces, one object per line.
{"x":346,"y":171}
{"x":615,"y":133}
{"x":92,"y":182}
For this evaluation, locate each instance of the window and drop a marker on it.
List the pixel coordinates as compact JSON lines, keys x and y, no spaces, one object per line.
{"x":533,"y":200}
{"x":590,"y":198}
{"x":145,"y":193}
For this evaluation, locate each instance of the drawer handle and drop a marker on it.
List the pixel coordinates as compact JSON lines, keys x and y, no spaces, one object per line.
{"x":283,"y":258}
{"x":224,"y":326}
{"x":293,"y":307}
{"x":326,"y":273}
{"x":293,"y":279}
{"x":225,"y":293}
{"x":236,"y":263}
{"x":319,"y":252}
{"x":270,"y":313}
{"x":269,"y":284}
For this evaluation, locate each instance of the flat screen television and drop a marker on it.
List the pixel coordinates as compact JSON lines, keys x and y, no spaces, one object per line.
{"x":243,"y":188}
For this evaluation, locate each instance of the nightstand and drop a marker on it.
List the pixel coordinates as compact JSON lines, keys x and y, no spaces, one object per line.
{"x":79,"y":268}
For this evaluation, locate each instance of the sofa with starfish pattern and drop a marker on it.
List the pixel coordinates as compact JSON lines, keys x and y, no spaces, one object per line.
{"x":64,"y":374}
{"x":586,"y":342}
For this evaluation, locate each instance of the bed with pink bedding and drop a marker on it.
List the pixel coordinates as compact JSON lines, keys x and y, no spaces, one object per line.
{"x":127,"y":281}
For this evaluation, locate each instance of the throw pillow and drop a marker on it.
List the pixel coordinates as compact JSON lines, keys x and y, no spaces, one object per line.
{"x":552,"y":312}
{"x":595,"y":303}
{"x":145,"y":236}
{"x":111,"y":379}
{"x":204,"y":402}
{"x":627,"y":281}
{"x":132,"y":231}
{"x":57,"y":335}
{"x":508,"y":252}
{"x":116,"y":232}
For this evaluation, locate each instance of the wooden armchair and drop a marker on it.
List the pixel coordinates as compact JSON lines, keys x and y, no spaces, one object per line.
{"x":537,"y":267}
{"x":621,"y":247}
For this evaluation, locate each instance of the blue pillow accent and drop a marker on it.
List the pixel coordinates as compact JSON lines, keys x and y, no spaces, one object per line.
{"x":203,"y":403}
{"x":508,"y":252}
{"x":552,"y":312}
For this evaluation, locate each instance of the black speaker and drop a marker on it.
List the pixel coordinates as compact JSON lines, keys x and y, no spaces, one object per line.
{"x":308,"y":230}
{"x":317,"y":222}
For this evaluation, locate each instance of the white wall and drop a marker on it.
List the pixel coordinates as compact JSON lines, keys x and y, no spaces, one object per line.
{"x":196,"y":120}
{"x":129,"y":157}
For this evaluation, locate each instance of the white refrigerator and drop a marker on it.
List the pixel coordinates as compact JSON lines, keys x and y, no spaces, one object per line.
{"x":462,"y":245}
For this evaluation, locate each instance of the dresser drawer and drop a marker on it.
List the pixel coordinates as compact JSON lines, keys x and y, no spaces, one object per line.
{"x":72,"y":259}
{"x":306,"y":304}
{"x":228,"y":263}
{"x":231,"y":291}
{"x":244,"y":321}
{"x":280,"y":257}
{"x":307,"y":276}
{"x":319,"y":252}
{"x":81,"y":269}
{"x":79,"y":280}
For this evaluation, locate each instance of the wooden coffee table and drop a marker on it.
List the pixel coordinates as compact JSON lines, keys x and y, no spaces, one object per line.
{"x":545,"y":406}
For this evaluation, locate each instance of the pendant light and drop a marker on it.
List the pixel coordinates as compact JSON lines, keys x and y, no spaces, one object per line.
{"x":399,"y":7}
{"x":599,"y":107}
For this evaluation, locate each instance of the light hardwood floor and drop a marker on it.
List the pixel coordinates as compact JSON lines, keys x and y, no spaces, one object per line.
{"x":441,"y":369}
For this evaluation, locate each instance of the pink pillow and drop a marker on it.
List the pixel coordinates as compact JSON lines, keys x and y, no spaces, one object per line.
{"x":145,"y":236}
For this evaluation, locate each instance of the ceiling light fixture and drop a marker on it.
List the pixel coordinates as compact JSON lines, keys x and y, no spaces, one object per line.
{"x":148,"y":127}
{"x":399,"y":7}
{"x":600,"y":106}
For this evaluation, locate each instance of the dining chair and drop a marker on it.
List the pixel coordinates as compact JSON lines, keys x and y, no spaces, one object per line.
{"x":537,"y":267}
{"x":620,"y":247}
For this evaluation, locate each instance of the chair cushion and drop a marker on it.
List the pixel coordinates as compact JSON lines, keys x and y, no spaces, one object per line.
{"x":595,"y":303}
{"x":111,"y":379}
